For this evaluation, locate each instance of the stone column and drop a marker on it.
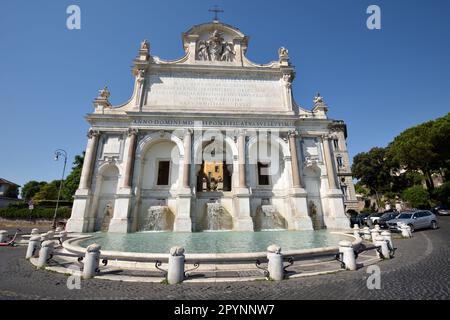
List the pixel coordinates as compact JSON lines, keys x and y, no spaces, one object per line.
{"x":132,"y":136}
{"x":294,"y":159}
{"x":241,"y":150}
{"x":241,"y":197}
{"x":329,"y":163}
{"x":89,"y":160}
{"x":187,"y":157}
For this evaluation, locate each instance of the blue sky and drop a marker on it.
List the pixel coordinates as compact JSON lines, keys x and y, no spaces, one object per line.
{"x":379,"y":81}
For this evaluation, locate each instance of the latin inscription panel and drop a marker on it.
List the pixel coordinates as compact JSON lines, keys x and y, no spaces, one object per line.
{"x":215,"y":92}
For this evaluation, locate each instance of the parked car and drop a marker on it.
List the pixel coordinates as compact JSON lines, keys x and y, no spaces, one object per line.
{"x":387,"y":216}
{"x":441,"y":210}
{"x":358,"y":219}
{"x":415,"y":219}
{"x":374,"y":217}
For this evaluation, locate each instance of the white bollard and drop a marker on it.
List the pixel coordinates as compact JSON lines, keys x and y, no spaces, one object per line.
{"x":409,"y":231}
{"x":35,"y":232}
{"x":58,"y":229}
{"x":3,"y":236}
{"x":366,"y":233}
{"x":50,"y":234}
{"x":405,"y":232}
{"x":356,"y":231}
{"x":91,"y":260}
{"x":62,"y":236}
{"x":374,"y":233}
{"x":275,"y":265}
{"x":388,"y":237}
{"x":380,"y":242}
{"x":33,"y":245}
{"x":348,"y":255}
{"x":44,"y":253}
{"x":175,"y":274}
{"x":377,"y":227}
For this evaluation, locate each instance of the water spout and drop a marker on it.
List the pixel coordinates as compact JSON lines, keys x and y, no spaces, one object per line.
{"x":217,"y":218}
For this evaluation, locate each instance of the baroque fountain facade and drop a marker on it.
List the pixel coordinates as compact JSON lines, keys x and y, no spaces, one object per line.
{"x":212,"y":142}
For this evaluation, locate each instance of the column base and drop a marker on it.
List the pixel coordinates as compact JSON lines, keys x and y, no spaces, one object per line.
{"x":242,"y":215}
{"x":119,"y":225}
{"x":79,"y":221}
{"x":335,"y":218}
{"x":183,"y":222}
{"x":300,"y":220}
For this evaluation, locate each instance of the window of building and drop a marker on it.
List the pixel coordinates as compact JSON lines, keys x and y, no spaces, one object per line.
{"x":336,"y":144}
{"x":339,"y":162}
{"x":163,"y":173}
{"x":263,"y":174}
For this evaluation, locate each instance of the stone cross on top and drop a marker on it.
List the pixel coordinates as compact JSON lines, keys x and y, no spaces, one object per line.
{"x":216,"y":10}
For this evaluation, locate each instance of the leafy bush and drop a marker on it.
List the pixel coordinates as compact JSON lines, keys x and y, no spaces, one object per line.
{"x":37,"y":213}
{"x":367,"y":210}
{"x":417,"y":197}
{"x":442,"y":194}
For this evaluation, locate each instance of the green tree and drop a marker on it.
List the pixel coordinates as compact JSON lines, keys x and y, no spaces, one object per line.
{"x":31,"y":188}
{"x":48,"y":191}
{"x":417,"y":197}
{"x":73,"y":179}
{"x":424,"y":148}
{"x":373,"y":169}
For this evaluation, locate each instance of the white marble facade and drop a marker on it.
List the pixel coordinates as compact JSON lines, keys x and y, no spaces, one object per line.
{"x":147,"y":156}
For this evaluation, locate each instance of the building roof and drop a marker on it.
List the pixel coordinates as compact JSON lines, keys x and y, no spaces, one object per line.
{"x":4,"y":181}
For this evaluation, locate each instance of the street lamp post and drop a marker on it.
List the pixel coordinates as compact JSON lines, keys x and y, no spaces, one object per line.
{"x":59,"y":153}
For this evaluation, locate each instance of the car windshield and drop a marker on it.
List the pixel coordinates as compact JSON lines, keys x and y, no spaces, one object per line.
{"x":388,"y":215}
{"x":405,"y":216}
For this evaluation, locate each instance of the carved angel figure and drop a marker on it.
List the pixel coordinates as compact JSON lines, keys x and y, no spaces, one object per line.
{"x":228,"y":52}
{"x":203,"y":53}
{"x":145,"y":45}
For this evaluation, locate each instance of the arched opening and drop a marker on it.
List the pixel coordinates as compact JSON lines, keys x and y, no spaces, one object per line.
{"x":159,"y":179}
{"x":269,"y":182}
{"x":214,"y":167}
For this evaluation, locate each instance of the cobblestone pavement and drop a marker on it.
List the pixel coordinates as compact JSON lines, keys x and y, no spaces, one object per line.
{"x":420,"y":270}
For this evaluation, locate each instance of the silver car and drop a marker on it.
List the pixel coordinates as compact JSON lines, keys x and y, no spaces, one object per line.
{"x":415,"y":219}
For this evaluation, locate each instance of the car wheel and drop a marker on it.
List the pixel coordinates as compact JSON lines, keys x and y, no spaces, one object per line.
{"x":411,"y":226}
{"x":434,"y":225}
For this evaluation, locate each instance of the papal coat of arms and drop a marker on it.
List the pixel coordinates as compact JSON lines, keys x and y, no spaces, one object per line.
{"x":215,"y":48}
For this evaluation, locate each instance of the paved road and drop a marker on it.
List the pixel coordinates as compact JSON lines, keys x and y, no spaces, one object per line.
{"x":420,"y":270}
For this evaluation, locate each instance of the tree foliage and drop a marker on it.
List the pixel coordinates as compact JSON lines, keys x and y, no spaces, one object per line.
{"x":72,"y":181}
{"x":31,"y":188}
{"x":417,"y":197}
{"x":373,"y":169}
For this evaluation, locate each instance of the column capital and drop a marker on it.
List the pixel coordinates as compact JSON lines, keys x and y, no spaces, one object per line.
{"x":293,"y":133}
{"x":132,"y":132}
{"x":93,"y":133}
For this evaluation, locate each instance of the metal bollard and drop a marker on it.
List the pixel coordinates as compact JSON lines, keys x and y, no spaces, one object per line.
{"x":44,"y":253}
{"x":275,"y":265}
{"x":380,"y":242}
{"x":175,"y":274}
{"x":374,"y":233}
{"x":348,"y":255}
{"x":33,"y":245}
{"x":91,"y":260}
{"x":366,"y":233}
{"x":3,"y":235}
